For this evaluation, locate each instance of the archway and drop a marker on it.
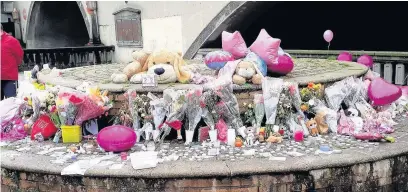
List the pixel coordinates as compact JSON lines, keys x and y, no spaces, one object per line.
{"x":369,"y":26}
{"x":56,"y":24}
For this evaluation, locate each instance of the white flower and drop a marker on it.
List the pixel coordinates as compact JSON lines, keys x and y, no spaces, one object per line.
{"x":311,"y":102}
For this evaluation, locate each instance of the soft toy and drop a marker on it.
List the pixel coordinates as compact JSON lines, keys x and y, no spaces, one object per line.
{"x":357,"y":120}
{"x":139,"y":58}
{"x":250,"y":136}
{"x":312,"y":126}
{"x":246,"y":72}
{"x":322,"y":126}
{"x":167,"y":66}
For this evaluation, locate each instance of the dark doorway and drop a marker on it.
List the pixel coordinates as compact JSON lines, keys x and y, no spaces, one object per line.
{"x":369,"y":26}
{"x":56,"y":24}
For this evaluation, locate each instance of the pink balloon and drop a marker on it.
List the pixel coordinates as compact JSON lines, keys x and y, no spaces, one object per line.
{"x":404,"y":90}
{"x":116,"y":138}
{"x":345,"y":56}
{"x":328,"y":36}
{"x":366,"y":60}
{"x":284,"y":66}
{"x":382,"y":93}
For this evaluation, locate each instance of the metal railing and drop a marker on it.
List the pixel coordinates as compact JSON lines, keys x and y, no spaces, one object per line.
{"x":392,"y":66}
{"x":67,"y":57}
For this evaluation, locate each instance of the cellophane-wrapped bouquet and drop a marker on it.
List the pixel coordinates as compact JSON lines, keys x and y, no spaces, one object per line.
{"x":176,"y":112}
{"x":208,"y":101}
{"x":94,"y":105}
{"x":194,"y":109}
{"x":259,"y":110}
{"x":158,"y":108}
{"x":67,"y":105}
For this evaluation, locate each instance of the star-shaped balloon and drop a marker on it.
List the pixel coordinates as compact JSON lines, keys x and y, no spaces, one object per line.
{"x":266,"y":47}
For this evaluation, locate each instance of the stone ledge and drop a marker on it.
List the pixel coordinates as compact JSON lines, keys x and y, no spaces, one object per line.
{"x":306,"y":70}
{"x":183,"y":169}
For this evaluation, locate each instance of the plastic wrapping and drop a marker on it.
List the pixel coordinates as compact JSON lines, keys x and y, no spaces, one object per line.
{"x":158,"y":107}
{"x":12,"y":128}
{"x":345,"y":125}
{"x":222,"y":129}
{"x":68,"y":105}
{"x":194,"y":109}
{"x":223,"y":89}
{"x":133,"y":109}
{"x":272,"y":88}
{"x":177,"y":109}
{"x":259,"y":110}
{"x":207,"y":102}
{"x":381,"y":92}
{"x":336,"y":93}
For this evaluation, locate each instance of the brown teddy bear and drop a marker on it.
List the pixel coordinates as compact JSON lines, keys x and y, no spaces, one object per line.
{"x":322,"y":126}
{"x":246,"y":72}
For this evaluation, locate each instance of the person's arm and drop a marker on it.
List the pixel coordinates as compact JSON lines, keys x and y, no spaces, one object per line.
{"x":17,"y":51}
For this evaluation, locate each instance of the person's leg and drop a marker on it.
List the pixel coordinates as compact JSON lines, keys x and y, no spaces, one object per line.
{"x":9,"y":88}
{"x":2,"y":90}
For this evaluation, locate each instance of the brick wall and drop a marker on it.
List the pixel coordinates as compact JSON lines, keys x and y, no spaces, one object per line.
{"x":385,"y":175}
{"x":242,"y":97}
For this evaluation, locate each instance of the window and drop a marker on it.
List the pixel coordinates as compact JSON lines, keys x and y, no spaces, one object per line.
{"x":128,"y":27}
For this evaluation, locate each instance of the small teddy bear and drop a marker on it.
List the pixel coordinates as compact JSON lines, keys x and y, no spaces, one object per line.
{"x":250,"y":136}
{"x":312,"y":126}
{"x":246,"y":72}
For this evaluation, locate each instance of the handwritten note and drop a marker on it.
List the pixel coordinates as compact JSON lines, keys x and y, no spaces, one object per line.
{"x":149,"y":80}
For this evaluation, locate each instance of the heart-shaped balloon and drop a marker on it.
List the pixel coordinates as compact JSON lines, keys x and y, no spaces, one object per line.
{"x":366,"y":60}
{"x":345,"y":56}
{"x":381,"y":92}
{"x":45,"y":126}
{"x":283,"y":66}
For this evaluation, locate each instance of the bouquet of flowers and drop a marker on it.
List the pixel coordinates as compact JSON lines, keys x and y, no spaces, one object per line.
{"x":131,"y":96}
{"x":208,"y":101}
{"x":271,"y":88}
{"x":259,"y":110}
{"x":249,"y":115}
{"x":194,"y":109}
{"x":177,"y":110}
{"x":284,"y":104}
{"x":67,"y":105}
{"x":309,"y":93}
{"x":336,"y":93}
{"x":224,"y":91}
{"x":158,"y":108}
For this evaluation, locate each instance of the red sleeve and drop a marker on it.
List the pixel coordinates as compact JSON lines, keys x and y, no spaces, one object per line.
{"x":17,"y":51}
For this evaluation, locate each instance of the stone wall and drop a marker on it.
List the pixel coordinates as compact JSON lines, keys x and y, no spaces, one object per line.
{"x":384,"y":175}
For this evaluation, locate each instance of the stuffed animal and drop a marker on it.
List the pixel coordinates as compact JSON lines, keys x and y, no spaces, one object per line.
{"x":312,"y":126}
{"x":357,"y":120}
{"x":250,"y":136}
{"x":167,"y":66}
{"x":322,"y":126}
{"x":274,"y":138}
{"x":246,"y":72}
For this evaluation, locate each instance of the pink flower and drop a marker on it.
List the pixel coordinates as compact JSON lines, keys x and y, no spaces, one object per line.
{"x":133,"y":94}
{"x":292,"y":89}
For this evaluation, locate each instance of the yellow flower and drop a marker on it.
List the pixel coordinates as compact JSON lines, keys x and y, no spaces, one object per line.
{"x":317,"y":86}
{"x":245,"y":104}
{"x":250,"y":106}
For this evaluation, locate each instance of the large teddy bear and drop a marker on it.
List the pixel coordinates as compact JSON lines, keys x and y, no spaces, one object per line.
{"x":167,"y":66}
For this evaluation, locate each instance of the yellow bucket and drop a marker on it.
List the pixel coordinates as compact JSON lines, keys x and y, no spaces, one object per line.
{"x":71,"y":134}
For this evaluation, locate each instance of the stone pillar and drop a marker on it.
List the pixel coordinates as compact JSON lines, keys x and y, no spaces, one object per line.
{"x":91,"y":9}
